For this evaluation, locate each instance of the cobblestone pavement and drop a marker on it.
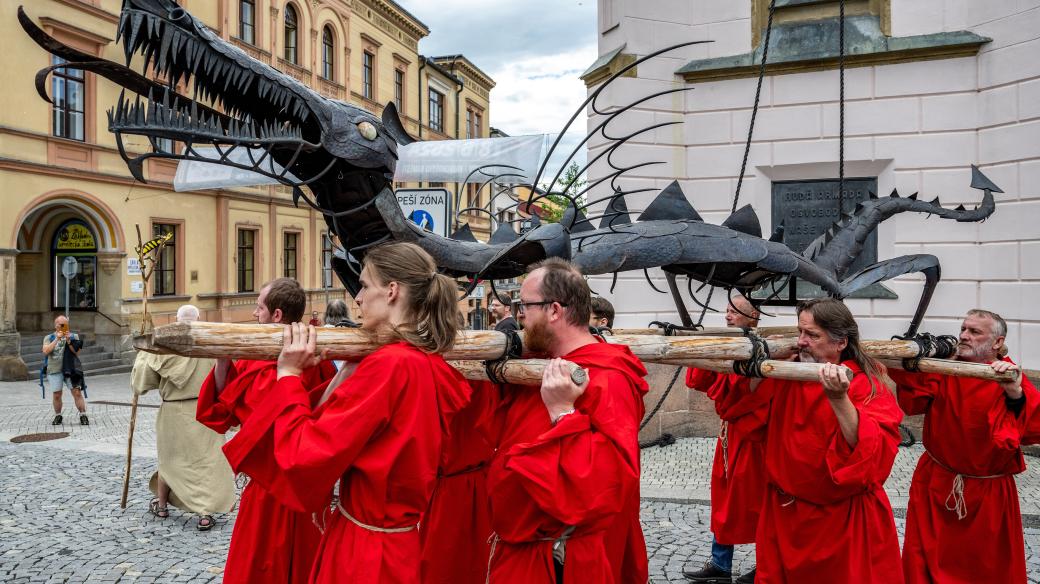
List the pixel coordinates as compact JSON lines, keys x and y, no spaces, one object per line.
{"x":60,"y":519}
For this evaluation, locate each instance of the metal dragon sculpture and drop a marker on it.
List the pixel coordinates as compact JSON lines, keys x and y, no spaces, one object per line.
{"x":345,"y":157}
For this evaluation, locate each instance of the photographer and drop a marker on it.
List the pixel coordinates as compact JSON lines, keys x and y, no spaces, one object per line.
{"x":60,"y":349}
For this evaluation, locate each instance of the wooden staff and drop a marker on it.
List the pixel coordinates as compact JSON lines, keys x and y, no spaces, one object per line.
{"x":147,"y":263}
{"x":957,"y":368}
{"x":712,"y":331}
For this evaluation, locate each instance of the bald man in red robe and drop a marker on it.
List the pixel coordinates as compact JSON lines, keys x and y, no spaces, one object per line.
{"x":963,"y":522}
{"x":567,"y":466}
{"x":227,"y":399}
{"x":738,"y":472}
{"x":830,"y":446}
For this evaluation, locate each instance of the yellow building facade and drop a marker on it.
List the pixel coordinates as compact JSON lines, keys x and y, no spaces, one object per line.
{"x":67,"y":193}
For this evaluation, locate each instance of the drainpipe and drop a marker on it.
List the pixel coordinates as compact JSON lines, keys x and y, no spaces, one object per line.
{"x":418,"y":85}
{"x":458,"y":92}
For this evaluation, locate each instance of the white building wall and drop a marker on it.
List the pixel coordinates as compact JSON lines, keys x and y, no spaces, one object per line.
{"x":917,"y":126}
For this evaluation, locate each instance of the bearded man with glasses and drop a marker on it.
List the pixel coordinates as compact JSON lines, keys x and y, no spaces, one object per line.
{"x":564,"y":482}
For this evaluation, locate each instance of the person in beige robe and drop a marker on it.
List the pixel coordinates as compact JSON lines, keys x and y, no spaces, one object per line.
{"x":193,"y":473}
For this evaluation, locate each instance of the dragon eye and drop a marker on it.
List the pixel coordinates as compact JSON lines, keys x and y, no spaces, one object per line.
{"x":368,"y":130}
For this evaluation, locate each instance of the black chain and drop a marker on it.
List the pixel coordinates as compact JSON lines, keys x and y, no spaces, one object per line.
{"x":660,"y":402}
{"x":754,"y":109}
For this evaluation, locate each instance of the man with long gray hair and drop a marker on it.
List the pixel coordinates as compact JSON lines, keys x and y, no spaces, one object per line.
{"x":829,"y":447}
{"x":963,"y":522}
{"x":193,"y":473}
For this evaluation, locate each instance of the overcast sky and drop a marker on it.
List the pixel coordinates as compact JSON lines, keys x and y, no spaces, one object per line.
{"x":533,"y":49}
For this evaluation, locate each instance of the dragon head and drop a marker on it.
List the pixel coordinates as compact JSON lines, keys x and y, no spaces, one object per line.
{"x":245,"y":113}
{"x":237,"y":103}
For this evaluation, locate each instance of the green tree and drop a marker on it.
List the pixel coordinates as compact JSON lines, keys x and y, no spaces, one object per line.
{"x":571,"y":182}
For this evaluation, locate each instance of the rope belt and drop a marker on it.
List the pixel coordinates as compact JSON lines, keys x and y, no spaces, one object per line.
{"x":957,"y":489}
{"x":558,"y":551}
{"x":373,"y":527}
{"x":724,"y":440}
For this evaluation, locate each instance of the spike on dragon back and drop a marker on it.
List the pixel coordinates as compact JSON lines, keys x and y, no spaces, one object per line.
{"x":340,"y":159}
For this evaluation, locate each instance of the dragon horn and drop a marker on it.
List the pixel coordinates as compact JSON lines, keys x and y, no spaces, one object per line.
{"x":671,"y":203}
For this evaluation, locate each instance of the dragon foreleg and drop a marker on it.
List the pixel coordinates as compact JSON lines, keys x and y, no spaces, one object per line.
{"x":886,"y":270}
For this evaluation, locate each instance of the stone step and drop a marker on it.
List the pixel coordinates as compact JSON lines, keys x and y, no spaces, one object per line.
{"x":33,"y":341}
{"x":86,"y":355}
{"x":107,"y":371}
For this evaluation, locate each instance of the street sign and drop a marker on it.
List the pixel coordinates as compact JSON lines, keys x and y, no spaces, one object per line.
{"x":133,"y":267}
{"x":427,"y":208}
{"x":478,"y":292}
{"x":69,"y":268}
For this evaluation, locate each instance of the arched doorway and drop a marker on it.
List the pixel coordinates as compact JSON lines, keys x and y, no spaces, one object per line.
{"x":69,"y":224}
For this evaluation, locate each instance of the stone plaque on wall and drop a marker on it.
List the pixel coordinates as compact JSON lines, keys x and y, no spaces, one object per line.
{"x":807,"y":209}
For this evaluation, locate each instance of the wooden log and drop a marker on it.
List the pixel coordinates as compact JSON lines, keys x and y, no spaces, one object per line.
{"x":253,"y":341}
{"x":264,"y":341}
{"x":789,"y":370}
{"x":712,"y":331}
{"x":517,"y":371}
{"x":957,"y":369}
{"x":661,"y":349}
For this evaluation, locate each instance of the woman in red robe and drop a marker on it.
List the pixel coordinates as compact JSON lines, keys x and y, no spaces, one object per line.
{"x":379,"y":432}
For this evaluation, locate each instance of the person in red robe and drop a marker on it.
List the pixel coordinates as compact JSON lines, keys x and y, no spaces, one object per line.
{"x":566,"y":468}
{"x":963,"y":522}
{"x":379,"y":432}
{"x":830,"y":446}
{"x":226,"y":399}
{"x":455,"y":530}
{"x":738,"y":471}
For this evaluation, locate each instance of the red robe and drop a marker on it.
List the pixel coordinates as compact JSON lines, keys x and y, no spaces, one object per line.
{"x":826,"y":517}
{"x":969,"y":430}
{"x":380,"y":435}
{"x":582,"y":473}
{"x":738,"y":472}
{"x":455,"y":530}
{"x":255,"y":556}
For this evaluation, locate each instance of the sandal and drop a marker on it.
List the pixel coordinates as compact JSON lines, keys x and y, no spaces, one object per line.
{"x":155,"y":509}
{"x":205,"y":523}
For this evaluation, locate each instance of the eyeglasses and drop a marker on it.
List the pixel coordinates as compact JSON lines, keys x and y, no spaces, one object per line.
{"x":521,"y":306}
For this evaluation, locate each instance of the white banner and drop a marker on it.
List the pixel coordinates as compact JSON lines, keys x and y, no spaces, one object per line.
{"x":454,"y":160}
{"x":431,"y":161}
{"x":195,"y":175}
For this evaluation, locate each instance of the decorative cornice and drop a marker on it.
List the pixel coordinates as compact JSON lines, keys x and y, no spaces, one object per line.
{"x":86,"y":35}
{"x":91,"y":10}
{"x":608,"y":64}
{"x":807,"y":46}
